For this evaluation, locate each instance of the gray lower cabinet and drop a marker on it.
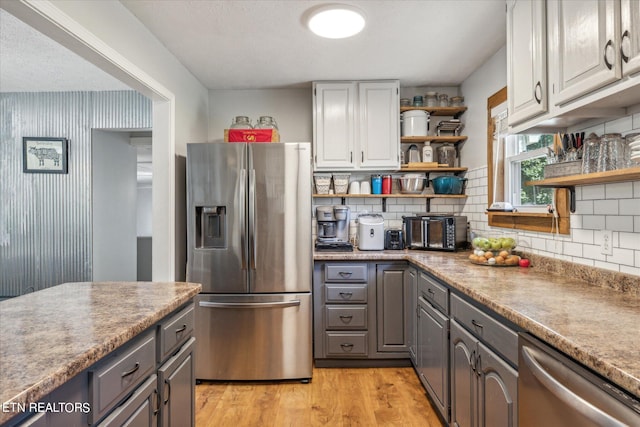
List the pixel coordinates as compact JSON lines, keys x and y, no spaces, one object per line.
{"x":411,"y":283}
{"x":176,"y":379}
{"x":362,"y":313}
{"x":433,"y":341}
{"x":149,"y":381}
{"x":483,"y":384}
{"x":394,"y":309}
{"x":139,"y":410}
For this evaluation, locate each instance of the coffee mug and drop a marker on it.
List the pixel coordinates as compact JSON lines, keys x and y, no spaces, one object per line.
{"x":365,"y":187}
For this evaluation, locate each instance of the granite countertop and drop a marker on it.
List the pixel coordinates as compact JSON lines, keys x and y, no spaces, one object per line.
{"x":51,"y":335}
{"x":590,"y":314}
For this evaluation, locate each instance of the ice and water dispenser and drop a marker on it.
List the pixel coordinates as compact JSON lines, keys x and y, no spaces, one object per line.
{"x":211,"y":227}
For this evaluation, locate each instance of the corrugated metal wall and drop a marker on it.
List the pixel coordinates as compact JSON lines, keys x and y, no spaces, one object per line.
{"x":45,"y":219}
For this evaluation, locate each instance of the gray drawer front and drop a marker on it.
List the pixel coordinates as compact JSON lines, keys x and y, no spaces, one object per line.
{"x":346,"y":273}
{"x":174,"y":331}
{"x":489,"y":330}
{"x":346,"y":344}
{"x":346,"y":293}
{"x":433,"y":292}
{"x":112,"y":380}
{"x":346,"y":316}
{"x":137,"y":410}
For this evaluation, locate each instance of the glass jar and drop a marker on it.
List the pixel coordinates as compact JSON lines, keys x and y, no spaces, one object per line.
{"x":443,"y":100}
{"x":241,"y":122}
{"x":431,"y":99}
{"x":418,"y":101}
{"x":456,"y":101}
{"x":266,"y":122}
{"x":447,"y":155}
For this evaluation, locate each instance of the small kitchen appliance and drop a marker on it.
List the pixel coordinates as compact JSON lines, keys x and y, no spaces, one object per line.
{"x":428,"y":231}
{"x":394,"y":239}
{"x":371,"y":232}
{"x":332,"y":233}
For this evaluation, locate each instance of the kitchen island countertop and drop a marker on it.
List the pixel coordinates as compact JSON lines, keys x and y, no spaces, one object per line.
{"x":51,"y":335}
{"x":597,"y":325}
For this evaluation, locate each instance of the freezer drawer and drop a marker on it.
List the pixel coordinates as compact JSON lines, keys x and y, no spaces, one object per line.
{"x":253,"y":337}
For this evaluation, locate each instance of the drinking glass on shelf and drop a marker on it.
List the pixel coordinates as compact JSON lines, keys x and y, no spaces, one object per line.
{"x":591,"y":154}
{"x":611,"y":152}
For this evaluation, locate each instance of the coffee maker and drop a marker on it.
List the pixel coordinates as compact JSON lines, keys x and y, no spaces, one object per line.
{"x":333,"y":229}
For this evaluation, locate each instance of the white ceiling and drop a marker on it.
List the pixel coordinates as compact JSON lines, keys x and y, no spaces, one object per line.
{"x":253,"y":44}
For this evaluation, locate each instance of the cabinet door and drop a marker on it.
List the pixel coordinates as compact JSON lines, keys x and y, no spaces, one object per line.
{"x":176,"y":380}
{"x":379,"y":133}
{"x":464,"y":390}
{"x":526,"y":59}
{"x":334,"y":125}
{"x":630,"y":42}
{"x":588,"y":46}
{"x":392,"y":302}
{"x":433,"y":354}
{"x":411,"y":283}
{"x":498,"y":390}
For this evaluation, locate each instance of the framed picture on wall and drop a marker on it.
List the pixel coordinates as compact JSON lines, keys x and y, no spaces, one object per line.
{"x":44,"y":155}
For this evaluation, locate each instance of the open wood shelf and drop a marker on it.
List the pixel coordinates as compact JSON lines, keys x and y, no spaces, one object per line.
{"x":393,"y":196}
{"x":409,"y":168}
{"x":433,"y":138}
{"x":619,"y":175}
{"x":438,"y":111}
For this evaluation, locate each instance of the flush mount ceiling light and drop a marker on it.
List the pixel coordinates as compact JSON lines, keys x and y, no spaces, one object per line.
{"x":336,"y":21}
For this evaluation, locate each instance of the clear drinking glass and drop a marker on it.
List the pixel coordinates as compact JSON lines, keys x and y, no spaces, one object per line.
{"x":591,"y":154}
{"x":628,"y":139}
{"x":611,"y":152}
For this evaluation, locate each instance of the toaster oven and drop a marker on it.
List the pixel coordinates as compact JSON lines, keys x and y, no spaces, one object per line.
{"x":444,"y":232}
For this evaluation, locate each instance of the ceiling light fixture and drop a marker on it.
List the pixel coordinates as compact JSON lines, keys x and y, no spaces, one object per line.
{"x":336,"y":21}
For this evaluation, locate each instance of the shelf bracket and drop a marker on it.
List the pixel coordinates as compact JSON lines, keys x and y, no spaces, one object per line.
{"x":572,"y":199}
{"x":428,"y":202}
{"x":343,"y":201}
{"x":384,"y":204}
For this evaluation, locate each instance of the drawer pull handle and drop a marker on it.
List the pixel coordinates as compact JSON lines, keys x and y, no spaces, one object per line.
{"x":346,"y":294}
{"x":476,"y":324}
{"x":184,"y":327}
{"x":345,"y":273}
{"x":167,"y":391}
{"x":156,"y":409}
{"x":130,"y":372}
{"x":430,"y":291}
{"x":347,"y":346}
{"x":346,"y":317}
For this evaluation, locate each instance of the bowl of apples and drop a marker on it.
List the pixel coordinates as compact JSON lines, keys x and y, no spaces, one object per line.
{"x":494,"y":251}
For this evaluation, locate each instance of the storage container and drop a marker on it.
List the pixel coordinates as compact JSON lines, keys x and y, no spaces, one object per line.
{"x":415,"y":123}
{"x":371,"y":232}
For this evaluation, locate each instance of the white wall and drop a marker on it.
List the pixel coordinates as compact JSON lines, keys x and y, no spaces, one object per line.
{"x":113,"y":173}
{"x":291,"y":108}
{"x":484,"y":82}
{"x":144,"y":212}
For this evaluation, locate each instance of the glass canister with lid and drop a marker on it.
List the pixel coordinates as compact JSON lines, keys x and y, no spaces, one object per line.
{"x":431,"y":99}
{"x":241,"y":122}
{"x":443,"y":100}
{"x":266,"y":122}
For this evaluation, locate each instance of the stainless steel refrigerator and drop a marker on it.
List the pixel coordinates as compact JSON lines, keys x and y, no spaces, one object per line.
{"x":249,"y":245}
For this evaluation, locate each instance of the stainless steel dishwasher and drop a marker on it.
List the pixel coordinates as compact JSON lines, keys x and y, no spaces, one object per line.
{"x":553,"y":390}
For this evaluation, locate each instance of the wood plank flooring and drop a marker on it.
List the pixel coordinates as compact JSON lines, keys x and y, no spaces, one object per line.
{"x":335,"y":397}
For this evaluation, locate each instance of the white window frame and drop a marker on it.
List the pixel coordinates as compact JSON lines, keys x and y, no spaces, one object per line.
{"x":512,"y":179}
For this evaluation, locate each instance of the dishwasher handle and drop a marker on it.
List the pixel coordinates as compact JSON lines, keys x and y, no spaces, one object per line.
{"x":565,"y":395}
{"x":276,"y":304}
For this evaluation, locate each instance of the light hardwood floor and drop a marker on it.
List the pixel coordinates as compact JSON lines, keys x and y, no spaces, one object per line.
{"x":335,"y":397}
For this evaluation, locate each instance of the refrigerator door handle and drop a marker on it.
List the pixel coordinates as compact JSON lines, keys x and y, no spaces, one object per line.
{"x":253,"y":226}
{"x":243,"y":220}
{"x":278,"y":304}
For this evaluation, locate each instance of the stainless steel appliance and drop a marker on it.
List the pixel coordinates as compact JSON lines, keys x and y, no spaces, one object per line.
{"x":332,"y":232}
{"x":249,"y":245}
{"x":394,"y":239}
{"x":444,"y":232}
{"x":553,"y":390}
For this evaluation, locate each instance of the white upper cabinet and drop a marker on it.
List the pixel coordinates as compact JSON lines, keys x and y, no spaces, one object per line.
{"x":356,"y":125}
{"x":527,"y":59}
{"x":588,"y":46}
{"x":630,"y":38}
{"x":379,"y":135}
